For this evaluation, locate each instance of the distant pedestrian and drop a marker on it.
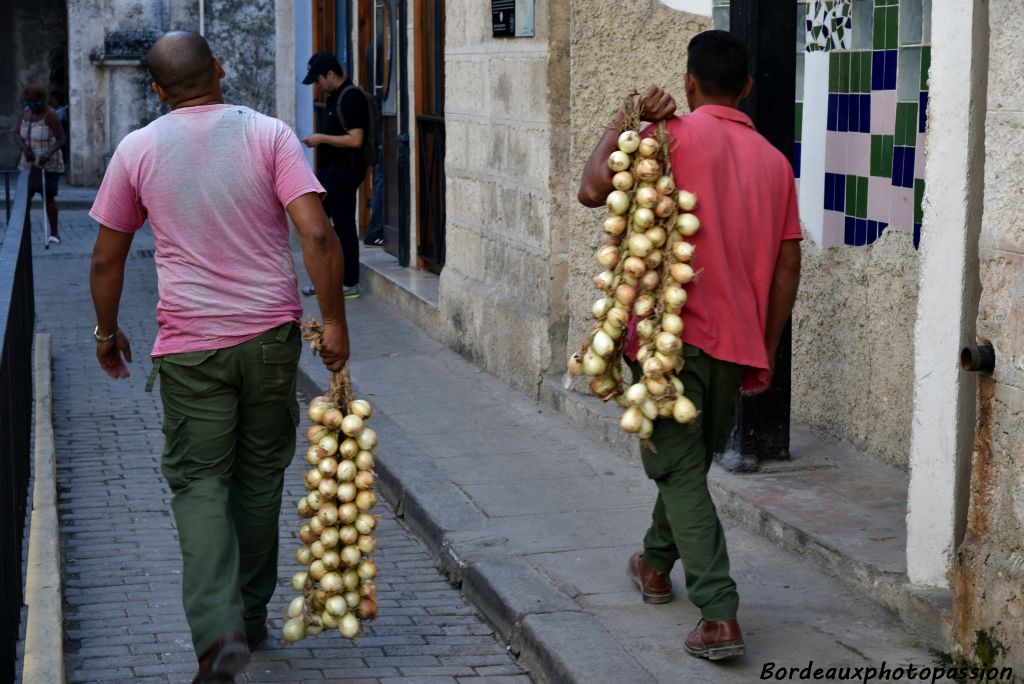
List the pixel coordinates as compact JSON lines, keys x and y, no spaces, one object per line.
{"x":340,"y":165}
{"x":59,"y":104}
{"x":748,"y":252}
{"x":215,"y":182}
{"x":40,"y":136}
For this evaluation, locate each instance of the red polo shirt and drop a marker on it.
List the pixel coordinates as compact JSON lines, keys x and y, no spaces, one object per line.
{"x":746,"y":203}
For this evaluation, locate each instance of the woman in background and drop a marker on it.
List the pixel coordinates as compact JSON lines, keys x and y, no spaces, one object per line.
{"x":40,"y":137}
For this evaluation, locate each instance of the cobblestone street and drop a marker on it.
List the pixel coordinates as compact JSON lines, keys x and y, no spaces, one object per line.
{"x":123,"y":616}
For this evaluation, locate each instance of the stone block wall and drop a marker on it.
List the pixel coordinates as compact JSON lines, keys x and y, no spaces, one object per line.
{"x":502,"y":292}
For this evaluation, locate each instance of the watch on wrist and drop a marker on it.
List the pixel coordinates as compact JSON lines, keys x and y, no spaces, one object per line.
{"x":105,"y":339}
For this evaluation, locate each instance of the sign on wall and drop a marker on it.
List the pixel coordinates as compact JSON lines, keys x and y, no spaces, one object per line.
{"x":512,"y":18}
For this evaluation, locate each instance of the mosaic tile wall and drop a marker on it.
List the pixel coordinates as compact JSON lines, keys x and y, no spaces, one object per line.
{"x":877,"y":105}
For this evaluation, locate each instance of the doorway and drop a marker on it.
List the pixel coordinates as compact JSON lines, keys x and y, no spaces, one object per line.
{"x":430,"y":178}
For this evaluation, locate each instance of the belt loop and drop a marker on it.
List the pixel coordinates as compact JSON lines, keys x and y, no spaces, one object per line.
{"x":284,"y":332}
{"x":153,"y":373}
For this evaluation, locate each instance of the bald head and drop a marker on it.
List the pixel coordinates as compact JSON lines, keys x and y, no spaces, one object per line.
{"x":182,"y":65}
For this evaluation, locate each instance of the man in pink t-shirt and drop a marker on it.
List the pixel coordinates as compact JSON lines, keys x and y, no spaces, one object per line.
{"x":748,"y":258}
{"x":215,"y":182}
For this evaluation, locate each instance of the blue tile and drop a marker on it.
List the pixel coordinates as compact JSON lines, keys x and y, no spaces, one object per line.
{"x":861,"y":234}
{"x":917,"y":235}
{"x":909,"y":159}
{"x":839,"y":201}
{"x":844,"y":113}
{"x":796,"y":160}
{"x":829,"y":183}
{"x":922,"y":112}
{"x":851,"y":231}
{"x":891,"y":57}
{"x":833,"y":112}
{"x":877,"y":69}
{"x":872,"y":231}
{"x":897,"y":165}
{"x":881,"y":228}
{"x":865,"y":113}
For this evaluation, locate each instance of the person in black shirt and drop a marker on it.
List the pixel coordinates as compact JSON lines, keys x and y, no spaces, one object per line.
{"x":340,"y":166}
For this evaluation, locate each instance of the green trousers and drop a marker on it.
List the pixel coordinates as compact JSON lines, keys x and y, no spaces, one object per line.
{"x":229,"y":421}
{"x":685,"y":524}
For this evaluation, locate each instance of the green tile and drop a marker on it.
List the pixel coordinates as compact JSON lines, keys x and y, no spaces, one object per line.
{"x":798,"y":122}
{"x":892,"y":28}
{"x":833,"y":72}
{"x":862,"y":197}
{"x":854,"y":72}
{"x":887,"y":145}
{"x":878,"y":29}
{"x":906,"y":123}
{"x":926,"y":61}
{"x":865,"y":71}
{"x":845,"y":74}
{"x":851,"y":195}
{"x":918,"y":200}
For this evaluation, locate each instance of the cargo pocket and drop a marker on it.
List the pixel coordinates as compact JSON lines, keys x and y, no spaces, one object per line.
{"x":280,"y":362}
{"x":175,"y":450}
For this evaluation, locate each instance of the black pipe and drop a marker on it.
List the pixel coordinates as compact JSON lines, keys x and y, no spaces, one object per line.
{"x":980,"y":358}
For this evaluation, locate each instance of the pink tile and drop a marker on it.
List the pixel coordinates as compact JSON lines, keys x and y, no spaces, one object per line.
{"x":834,"y":228}
{"x":879,"y":198}
{"x":920,"y":157}
{"x":901,"y":210}
{"x":858,"y":154}
{"x":835,"y":152}
{"x":883,"y":112}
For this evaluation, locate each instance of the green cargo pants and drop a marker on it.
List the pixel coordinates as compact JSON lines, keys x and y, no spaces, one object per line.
{"x":685,"y":525}
{"x":229,"y":421}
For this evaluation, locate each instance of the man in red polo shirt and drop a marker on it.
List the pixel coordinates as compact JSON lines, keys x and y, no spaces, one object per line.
{"x":748,"y":254}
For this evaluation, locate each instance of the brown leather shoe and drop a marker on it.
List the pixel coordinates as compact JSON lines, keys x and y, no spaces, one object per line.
{"x":715,"y":639}
{"x":655,"y":586}
{"x":228,"y":657}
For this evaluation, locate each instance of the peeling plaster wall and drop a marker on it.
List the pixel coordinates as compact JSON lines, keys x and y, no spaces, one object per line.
{"x":853,"y":344}
{"x":605,"y":38}
{"x":989,"y":581}
{"x":506,"y":127}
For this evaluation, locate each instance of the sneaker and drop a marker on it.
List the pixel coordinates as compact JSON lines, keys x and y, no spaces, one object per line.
{"x":53,"y":240}
{"x":351,"y":292}
{"x":375,"y":242}
{"x":308,"y":291}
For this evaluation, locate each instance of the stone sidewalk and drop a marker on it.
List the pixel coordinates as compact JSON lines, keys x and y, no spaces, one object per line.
{"x":123,"y":615}
{"x":536,"y":518}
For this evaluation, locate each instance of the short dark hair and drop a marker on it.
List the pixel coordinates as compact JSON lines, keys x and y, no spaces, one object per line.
{"x":719,"y":61}
{"x":181,"y":63}
{"x":35,"y":91}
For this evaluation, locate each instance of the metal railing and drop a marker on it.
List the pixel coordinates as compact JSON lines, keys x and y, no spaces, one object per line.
{"x":431,"y":210}
{"x":17,"y":317}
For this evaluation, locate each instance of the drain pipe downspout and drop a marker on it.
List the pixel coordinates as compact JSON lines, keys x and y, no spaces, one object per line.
{"x":202,"y":17}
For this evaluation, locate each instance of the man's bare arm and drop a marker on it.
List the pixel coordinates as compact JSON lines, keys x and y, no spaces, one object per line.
{"x":106,"y":280}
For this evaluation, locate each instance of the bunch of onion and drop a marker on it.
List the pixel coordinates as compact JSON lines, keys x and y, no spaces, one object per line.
{"x":645,"y":259}
{"x":338,"y":586}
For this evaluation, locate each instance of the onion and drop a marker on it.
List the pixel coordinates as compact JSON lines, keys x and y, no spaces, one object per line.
{"x":687,"y":200}
{"x":352,"y":425}
{"x":328,"y":466}
{"x":610,"y":241}
{"x":328,"y":620}
{"x":608,"y":256}
{"x":367,"y":609}
{"x":667,"y":343}
{"x":603,"y":345}
{"x":649,"y":408}
{"x":328,"y":488}
{"x":328,"y":514}
{"x":313,"y":630}
{"x":365,"y":523}
{"x":674,"y":296}
{"x":643,"y":353}
{"x":640,"y":245}
{"x":625,"y":295}
{"x":346,"y":492}
{"x":303,"y":555}
{"x":364,"y":460}
{"x":367,"y":439}
{"x":687,"y":224}
{"x":651,"y":280}
{"x":643,"y":219}
{"x":648,"y":147}
{"x":684,"y":411}
{"x":348,"y":448}
{"x":299,"y":580}
{"x":346,"y":471}
{"x":682,"y":273}
{"x":601,"y":308}
{"x":313,"y":478}
{"x":669,"y":362}
{"x":593,"y":365}
{"x":336,"y":605}
{"x":654,"y":259}
{"x":575,"y":365}
{"x":367,"y":544}
{"x":646,"y":428}
{"x":317,"y":570}
{"x":644,"y":306}
{"x":361,"y":408}
{"x":634,"y":266}
{"x":365,"y":500}
{"x":645,"y":197}
{"x":317,"y":549}
{"x":368,"y":590}
{"x":349,"y":626}
{"x":646,"y":329}
{"x":657,"y":387}
{"x":307,"y":535}
{"x":682,"y":251}
{"x":623,"y":180}
{"x":367,"y":569}
{"x":330,"y":537}
{"x":619,"y":161}
{"x":318,"y":406}
{"x":665,"y":207}
{"x":621,"y":400}
{"x":657,"y":236}
{"x":331,"y":583}
{"x":316,"y":432}
{"x":672,"y":323}
{"x":631,"y":419}
{"x":605,"y":280}
{"x":654,"y":368}
{"x":331,"y":559}
{"x":618,"y":202}
{"x":347,"y":513}
{"x":352,"y":599}
{"x":364,"y":480}
{"x":348,"y":535}
{"x":332,"y":419}
{"x":666,"y":185}
{"x":351,"y":555}
{"x":648,"y":170}
{"x":305,"y":510}
{"x":297,"y":607}
{"x":636,"y":393}
{"x":613,"y":331}
{"x":294,"y":630}
{"x":316,"y":526}
{"x":312,"y":456}
{"x":351,"y":580}
{"x":629,"y":141}
{"x":603,"y":387}
{"x":328,"y":446}
{"x":677,"y":385}
{"x":615,"y":225}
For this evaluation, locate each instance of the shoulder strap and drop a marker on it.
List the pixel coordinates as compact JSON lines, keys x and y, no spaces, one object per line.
{"x":337,"y":105}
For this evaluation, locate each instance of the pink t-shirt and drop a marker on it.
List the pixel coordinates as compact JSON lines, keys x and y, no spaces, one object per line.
{"x":746,"y":203}
{"x":214,"y":182}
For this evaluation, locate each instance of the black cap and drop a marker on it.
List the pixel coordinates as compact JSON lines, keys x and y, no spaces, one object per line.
{"x":319,"y":64}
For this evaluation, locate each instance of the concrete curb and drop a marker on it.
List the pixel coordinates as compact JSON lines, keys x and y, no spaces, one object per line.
{"x":44,"y":643}
{"x":543,"y":626}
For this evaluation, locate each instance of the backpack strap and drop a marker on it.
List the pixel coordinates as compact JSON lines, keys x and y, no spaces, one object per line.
{"x":337,"y":105}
